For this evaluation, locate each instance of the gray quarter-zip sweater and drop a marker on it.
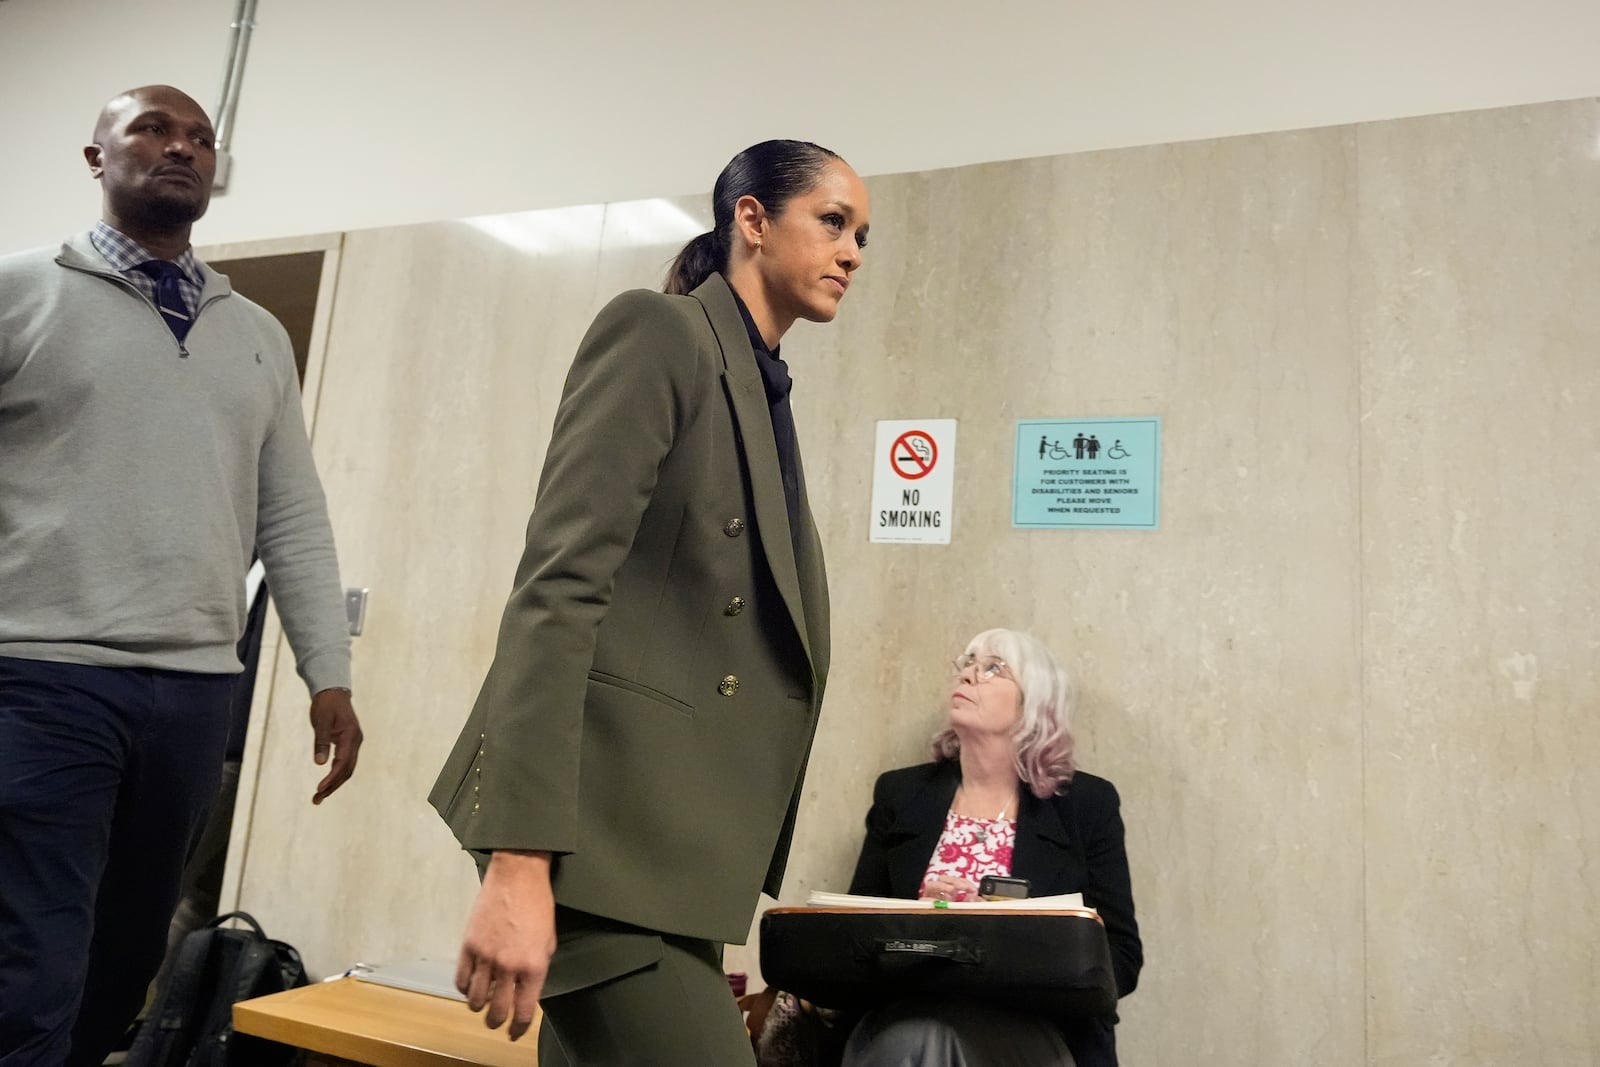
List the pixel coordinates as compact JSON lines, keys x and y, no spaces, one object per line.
{"x":137,"y":474}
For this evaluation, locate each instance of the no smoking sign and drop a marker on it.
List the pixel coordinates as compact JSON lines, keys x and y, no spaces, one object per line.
{"x":913,"y":454}
{"x":913,"y":482}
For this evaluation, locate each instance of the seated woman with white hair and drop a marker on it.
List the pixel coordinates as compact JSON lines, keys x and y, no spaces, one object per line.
{"x":1002,"y":797}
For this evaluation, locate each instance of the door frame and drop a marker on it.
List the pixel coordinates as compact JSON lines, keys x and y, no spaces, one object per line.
{"x":273,"y":644}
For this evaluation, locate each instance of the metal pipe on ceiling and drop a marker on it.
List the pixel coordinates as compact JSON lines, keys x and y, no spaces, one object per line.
{"x":244,"y":21}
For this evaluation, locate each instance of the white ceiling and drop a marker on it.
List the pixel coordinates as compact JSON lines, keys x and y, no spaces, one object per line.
{"x":360,"y":114}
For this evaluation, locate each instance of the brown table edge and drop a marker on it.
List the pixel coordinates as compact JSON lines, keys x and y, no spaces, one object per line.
{"x":330,"y":1042}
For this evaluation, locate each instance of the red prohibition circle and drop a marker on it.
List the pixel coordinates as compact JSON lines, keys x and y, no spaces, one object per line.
{"x":907,"y":461}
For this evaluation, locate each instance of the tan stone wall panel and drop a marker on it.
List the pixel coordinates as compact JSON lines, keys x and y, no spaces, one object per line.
{"x":1346,"y":690}
{"x":1477,"y":279}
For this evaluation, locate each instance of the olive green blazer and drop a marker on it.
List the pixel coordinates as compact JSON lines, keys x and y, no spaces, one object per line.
{"x":661,"y":661}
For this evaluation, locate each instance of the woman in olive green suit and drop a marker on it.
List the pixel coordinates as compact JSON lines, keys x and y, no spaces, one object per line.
{"x":629,"y":774}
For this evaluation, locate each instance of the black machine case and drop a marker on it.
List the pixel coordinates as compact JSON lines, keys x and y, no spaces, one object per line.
{"x":1057,"y":963}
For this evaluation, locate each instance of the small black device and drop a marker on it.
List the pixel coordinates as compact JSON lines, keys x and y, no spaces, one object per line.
{"x":994,"y":887}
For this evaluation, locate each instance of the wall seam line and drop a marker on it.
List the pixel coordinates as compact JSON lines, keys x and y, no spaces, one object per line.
{"x":1362,"y":331}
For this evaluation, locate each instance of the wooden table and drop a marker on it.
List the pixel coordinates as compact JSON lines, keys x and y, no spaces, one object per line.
{"x":351,"y":1021}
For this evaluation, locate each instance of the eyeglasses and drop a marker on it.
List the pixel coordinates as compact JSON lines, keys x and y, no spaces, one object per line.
{"x":987,"y":667}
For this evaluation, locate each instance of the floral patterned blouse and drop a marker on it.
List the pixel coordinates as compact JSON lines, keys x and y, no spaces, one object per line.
{"x":971,"y":848}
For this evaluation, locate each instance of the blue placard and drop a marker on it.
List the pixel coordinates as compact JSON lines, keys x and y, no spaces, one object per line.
{"x":1096,"y":473}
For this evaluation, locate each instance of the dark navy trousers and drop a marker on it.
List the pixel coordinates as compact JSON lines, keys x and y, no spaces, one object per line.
{"x":107,"y":775}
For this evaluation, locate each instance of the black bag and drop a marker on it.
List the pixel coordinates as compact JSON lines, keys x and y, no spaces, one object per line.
{"x":191,"y":1024}
{"x":1057,"y":964}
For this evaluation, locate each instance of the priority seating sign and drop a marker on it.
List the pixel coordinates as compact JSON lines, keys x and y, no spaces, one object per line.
{"x":913,"y":481}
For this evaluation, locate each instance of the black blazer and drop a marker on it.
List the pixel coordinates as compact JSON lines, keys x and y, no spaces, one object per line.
{"x":1069,"y":843}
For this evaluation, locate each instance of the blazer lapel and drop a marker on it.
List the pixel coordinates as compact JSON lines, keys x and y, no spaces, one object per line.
{"x":918,"y":826}
{"x":753,"y":417}
{"x":813,"y":581}
{"x":1042,"y":841}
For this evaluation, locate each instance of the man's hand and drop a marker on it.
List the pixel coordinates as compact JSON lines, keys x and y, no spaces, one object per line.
{"x":334,"y":725}
{"x":510,"y":938}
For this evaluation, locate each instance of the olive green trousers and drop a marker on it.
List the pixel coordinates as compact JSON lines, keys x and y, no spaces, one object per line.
{"x":620,"y":996}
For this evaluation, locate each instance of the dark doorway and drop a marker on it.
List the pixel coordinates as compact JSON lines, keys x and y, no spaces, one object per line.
{"x":285,"y":285}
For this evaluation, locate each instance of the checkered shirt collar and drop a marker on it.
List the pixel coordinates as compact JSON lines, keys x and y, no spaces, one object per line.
{"x":125,"y":254}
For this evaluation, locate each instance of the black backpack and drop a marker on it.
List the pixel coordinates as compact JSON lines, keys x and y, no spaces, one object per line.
{"x":191,"y":1023}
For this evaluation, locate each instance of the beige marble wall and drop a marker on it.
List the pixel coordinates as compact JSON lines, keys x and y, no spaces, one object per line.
{"x":1478,"y":282}
{"x":1207,"y":284}
{"x":430,"y":429}
{"x":435,"y":404}
{"x":1341,"y":689}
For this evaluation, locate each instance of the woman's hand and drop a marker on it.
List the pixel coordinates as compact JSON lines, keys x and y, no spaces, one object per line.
{"x":510,"y":938}
{"x":949,"y":887}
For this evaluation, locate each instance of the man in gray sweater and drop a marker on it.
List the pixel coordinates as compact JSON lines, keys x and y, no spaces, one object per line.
{"x":151,"y":438}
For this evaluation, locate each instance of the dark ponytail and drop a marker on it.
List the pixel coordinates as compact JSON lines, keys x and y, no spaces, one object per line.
{"x":700,"y":258}
{"x":774,"y":172}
